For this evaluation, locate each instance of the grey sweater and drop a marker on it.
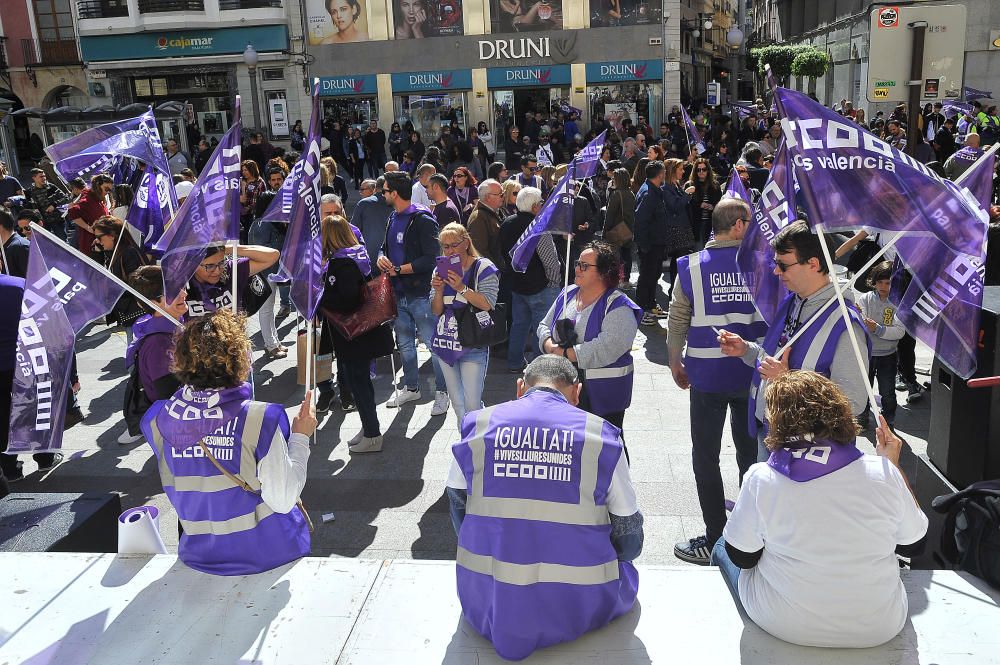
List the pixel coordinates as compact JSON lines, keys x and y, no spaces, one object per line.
{"x":888,"y":330}
{"x":617,"y":334}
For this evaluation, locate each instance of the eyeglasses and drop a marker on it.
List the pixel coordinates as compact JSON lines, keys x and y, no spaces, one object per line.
{"x":101,"y":235}
{"x":701,"y":169}
{"x":532,"y":168}
{"x":783,"y":267}
{"x":212,"y":267}
{"x":583,"y":267}
{"x":460,"y":176}
{"x":386,"y":191}
{"x":453,"y":245}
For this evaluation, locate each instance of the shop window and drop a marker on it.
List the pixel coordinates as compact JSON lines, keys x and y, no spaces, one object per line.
{"x":272,"y":74}
{"x":352,"y":111}
{"x":429,"y":113}
{"x":625,"y":100}
{"x":526,"y":15}
{"x":611,"y":13}
{"x":418,"y":19}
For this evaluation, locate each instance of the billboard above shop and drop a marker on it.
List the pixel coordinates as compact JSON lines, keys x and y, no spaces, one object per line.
{"x":183,"y":43}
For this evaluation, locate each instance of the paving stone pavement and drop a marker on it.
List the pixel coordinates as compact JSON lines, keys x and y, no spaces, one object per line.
{"x":392,"y":504}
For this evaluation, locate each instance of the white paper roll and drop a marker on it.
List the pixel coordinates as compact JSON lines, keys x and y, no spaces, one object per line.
{"x":139,"y":531}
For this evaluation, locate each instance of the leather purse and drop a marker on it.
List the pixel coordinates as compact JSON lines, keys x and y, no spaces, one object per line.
{"x":378,"y":307}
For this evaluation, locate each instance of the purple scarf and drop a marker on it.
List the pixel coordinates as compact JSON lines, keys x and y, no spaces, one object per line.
{"x":146,"y":324}
{"x":359,"y":255}
{"x":190,"y":415}
{"x":803,"y":460}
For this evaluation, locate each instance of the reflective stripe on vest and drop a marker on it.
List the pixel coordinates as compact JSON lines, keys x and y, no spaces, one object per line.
{"x":699,"y":352}
{"x":608,"y":372}
{"x":698,"y":316}
{"x":586,"y":513}
{"x":521,"y":574}
{"x":216,"y":483}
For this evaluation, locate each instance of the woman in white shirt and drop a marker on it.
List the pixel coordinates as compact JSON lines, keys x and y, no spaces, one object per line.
{"x":810,"y":548}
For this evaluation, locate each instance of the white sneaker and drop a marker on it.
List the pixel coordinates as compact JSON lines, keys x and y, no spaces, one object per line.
{"x":367,"y":445}
{"x":402,"y":397}
{"x":441,"y":403}
{"x":126,"y":438}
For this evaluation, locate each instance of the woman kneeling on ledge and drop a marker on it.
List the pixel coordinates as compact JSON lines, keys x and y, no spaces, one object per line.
{"x":810,"y":548}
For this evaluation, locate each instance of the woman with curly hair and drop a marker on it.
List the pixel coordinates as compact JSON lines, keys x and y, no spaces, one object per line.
{"x":809,"y":550}
{"x":462,"y":192}
{"x":707,"y":194}
{"x":593,"y":324}
{"x":232,"y":467}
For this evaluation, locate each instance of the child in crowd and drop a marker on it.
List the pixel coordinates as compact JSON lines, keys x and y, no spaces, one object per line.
{"x":880,"y":316}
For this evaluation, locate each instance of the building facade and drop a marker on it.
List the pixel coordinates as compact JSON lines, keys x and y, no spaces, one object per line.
{"x":840,"y":27}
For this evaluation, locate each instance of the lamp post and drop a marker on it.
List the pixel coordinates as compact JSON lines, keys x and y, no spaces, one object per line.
{"x":704,"y":21}
{"x":734,"y":39}
{"x":250,"y":57}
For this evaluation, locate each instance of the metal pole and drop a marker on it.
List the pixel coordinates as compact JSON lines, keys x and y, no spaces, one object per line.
{"x":734,"y":78}
{"x":916,"y":81}
{"x":665,"y":16}
{"x":256,"y":99}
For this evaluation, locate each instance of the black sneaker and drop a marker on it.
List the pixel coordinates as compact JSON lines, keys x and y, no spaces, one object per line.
{"x":56,"y":459}
{"x":864,"y":422}
{"x":283,"y":312}
{"x":697,"y":550}
{"x":914,"y":392}
{"x":73,"y":416}
{"x":348,"y":405}
{"x":901,"y":383}
{"x":325,"y":401}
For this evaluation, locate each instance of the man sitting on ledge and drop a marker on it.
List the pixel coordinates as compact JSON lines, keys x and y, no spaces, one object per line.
{"x":546,"y":516}
{"x":810,"y":548}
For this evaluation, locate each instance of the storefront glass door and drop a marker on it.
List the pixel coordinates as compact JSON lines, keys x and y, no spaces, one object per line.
{"x":509,"y":106}
{"x":353,"y":111}
{"x":429,"y":113}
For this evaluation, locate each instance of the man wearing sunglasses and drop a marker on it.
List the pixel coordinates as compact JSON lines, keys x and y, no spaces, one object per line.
{"x":14,"y":256}
{"x":709,"y":294}
{"x":823,"y":347}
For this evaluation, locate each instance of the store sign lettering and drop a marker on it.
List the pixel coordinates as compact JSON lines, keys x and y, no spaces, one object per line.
{"x":194,"y":43}
{"x":635,"y":71}
{"x":541,"y":75}
{"x":430,"y":80}
{"x":343,"y":85}
{"x":514,"y":49}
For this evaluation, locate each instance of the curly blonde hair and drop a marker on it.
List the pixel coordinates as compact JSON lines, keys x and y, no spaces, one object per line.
{"x":801,"y":404}
{"x":213,"y":351}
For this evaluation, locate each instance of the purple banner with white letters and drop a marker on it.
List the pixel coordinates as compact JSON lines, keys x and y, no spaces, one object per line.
{"x":735,"y":188}
{"x":210,"y":215}
{"x":978,"y":179}
{"x":972,"y":94}
{"x":850,"y":178}
{"x":694,"y":136}
{"x":556,"y":216}
{"x":302,"y":256}
{"x":742,"y":110}
{"x":146,"y":214}
{"x":950,"y":108}
{"x":63,"y":293}
{"x":774,"y":211}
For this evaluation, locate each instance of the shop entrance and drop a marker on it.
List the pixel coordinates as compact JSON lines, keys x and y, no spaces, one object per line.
{"x":509,"y":106}
{"x":428,"y":113}
{"x":353,"y":111}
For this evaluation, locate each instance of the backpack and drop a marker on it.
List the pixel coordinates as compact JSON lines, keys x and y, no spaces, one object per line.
{"x":970,"y":538}
{"x":135,"y":401}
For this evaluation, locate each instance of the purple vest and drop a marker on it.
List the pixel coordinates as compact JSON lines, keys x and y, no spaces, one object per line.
{"x":227,"y":530}
{"x":359,"y":255}
{"x":609,"y":388}
{"x":445,"y":344}
{"x":205,"y":298}
{"x":814,"y":350}
{"x":719,"y":298}
{"x":535,"y":563}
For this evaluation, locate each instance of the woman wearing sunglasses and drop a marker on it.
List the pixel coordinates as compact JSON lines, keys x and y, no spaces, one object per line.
{"x":211,"y":288}
{"x":594,"y":324}
{"x":707,"y":194}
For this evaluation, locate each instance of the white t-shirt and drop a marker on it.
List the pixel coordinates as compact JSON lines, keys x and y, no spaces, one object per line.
{"x":828,"y":576}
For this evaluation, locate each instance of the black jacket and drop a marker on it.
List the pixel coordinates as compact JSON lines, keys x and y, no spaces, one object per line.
{"x":532,"y":280}
{"x":420,"y":250}
{"x":16,"y":250}
{"x":342,"y":294}
{"x":40,"y":198}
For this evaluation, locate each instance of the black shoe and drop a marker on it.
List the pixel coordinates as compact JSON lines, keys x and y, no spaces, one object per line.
{"x":864,"y":422}
{"x":56,"y":459}
{"x":15,"y":477}
{"x":73,"y":416}
{"x":325,"y":401}
{"x":697,"y":550}
{"x":283,"y":312}
{"x":914,"y":391}
{"x":348,"y":405}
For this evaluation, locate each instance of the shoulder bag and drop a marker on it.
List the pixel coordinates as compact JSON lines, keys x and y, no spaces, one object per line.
{"x":619,"y":234}
{"x":478,"y":328}
{"x":378,"y":307}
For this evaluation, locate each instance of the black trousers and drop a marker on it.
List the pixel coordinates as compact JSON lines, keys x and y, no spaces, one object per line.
{"x":907,"y":358}
{"x":650,"y":267}
{"x":9,"y":464}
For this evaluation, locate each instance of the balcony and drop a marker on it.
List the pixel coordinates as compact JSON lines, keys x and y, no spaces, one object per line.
{"x":157,"y":6}
{"x":249,"y":4}
{"x":102,"y":8}
{"x":43,"y":52}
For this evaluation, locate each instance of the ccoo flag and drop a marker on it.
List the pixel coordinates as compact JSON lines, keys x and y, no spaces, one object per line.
{"x":972,"y":94}
{"x":63,"y":293}
{"x":850,"y":178}
{"x":302,"y":255}
{"x":210,"y":215}
{"x":694,"y":136}
{"x":742,"y":110}
{"x":556,"y":216}
{"x":735,"y":188}
{"x":774,"y":211}
{"x":147,"y":214}
{"x":978,"y":179}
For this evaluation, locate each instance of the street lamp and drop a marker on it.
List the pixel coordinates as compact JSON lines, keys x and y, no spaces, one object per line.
{"x":734,"y":39}
{"x":250,"y":58}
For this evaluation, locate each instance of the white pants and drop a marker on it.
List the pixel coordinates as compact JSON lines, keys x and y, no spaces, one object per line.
{"x":268,"y":330}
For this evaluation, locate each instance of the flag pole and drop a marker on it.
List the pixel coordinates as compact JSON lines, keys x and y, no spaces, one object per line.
{"x":107,"y":273}
{"x":986,"y":154}
{"x":236,"y":271}
{"x":3,"y":256}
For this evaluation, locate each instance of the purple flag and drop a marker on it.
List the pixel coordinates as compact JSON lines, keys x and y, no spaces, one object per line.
{"x":210,"y":215}
{"x":950,"y":108}
{"x":735,"y":188}
{"x":972,"y":94}
{"x":147,"y":214}
{"x":978,"y":179}
{"x":774,"y":211}
{"x":694,"y":136}
{"x":742,"y":110}
{"x":280,"y":209}
{"x":556,"y":216}
{"x":302,"y":255}
{"x":63,"y":293}
{"x":850,"y":178}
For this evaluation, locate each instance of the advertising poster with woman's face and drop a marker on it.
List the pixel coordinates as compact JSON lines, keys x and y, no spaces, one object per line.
{"x":609,"y":13}
{"x":416,"y":19}
{"x":337,"y":21}
{"x":526,"y":15}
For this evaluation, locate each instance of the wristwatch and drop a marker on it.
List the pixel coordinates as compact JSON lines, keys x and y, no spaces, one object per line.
{"x":398,"y":270}
{"x":463,"y":291}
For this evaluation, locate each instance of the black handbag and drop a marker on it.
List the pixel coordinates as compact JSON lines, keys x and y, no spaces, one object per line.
{"x":135,"y":401}
{"x":479,"y":328}
{"x":256,"y":293}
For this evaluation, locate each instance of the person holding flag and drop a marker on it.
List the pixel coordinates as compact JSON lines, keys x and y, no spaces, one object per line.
{"x":211,"y":286}
{"x":90,"y":207}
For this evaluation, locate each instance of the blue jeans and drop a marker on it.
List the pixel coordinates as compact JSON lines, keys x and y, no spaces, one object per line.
{"x":730,"y":571}
{"x":465,"y":380}
{"x":708,"y":417}
{"x":415,"y":319}
{"x":526,"y":313}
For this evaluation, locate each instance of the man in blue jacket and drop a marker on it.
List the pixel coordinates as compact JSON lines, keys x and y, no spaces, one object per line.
{"x":408,"y":256}
{"x":651,"y":239}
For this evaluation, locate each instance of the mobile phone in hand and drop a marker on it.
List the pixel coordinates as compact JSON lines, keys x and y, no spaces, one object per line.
{"x":446,"y":264}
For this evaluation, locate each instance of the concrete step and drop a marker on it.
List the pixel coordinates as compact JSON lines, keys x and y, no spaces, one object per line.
{"x":103,"y":609}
